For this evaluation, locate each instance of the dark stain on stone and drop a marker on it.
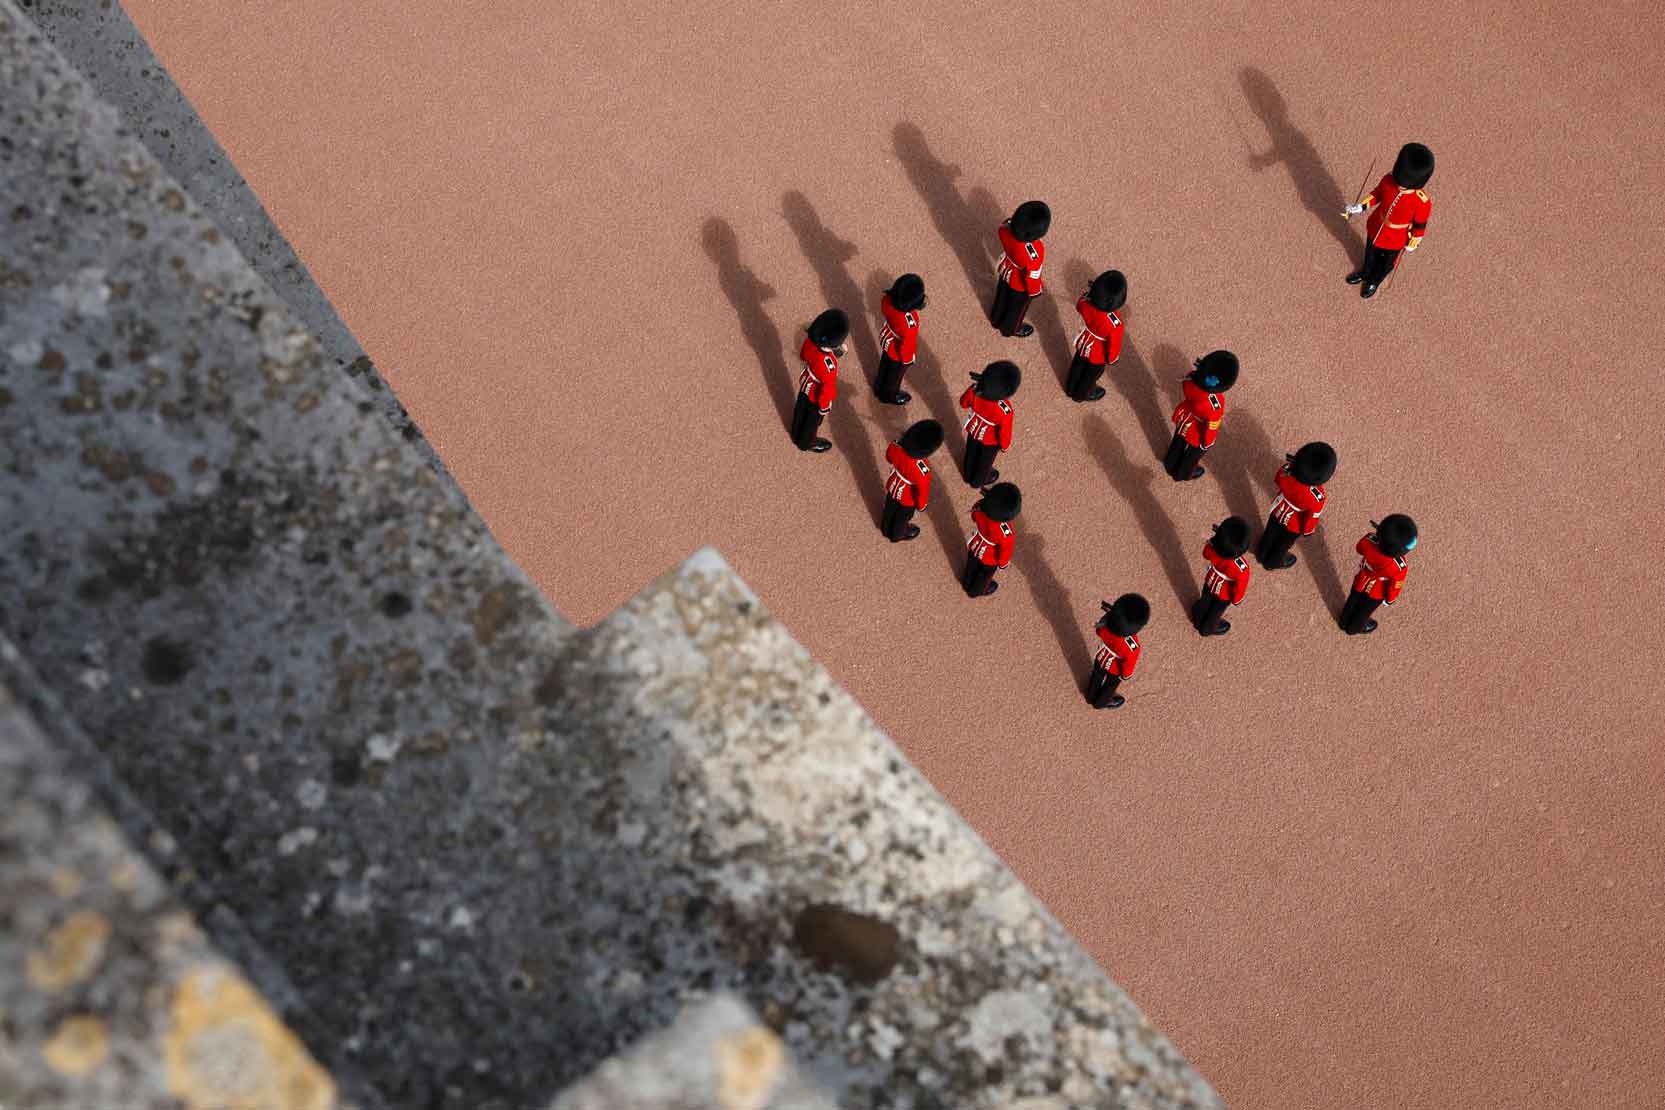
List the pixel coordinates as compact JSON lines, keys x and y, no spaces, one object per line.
{"x":165,"y":662}
{"x":395,"y":604}
{"x":346,"y":769}
{"x":550,"y":688}
{"x":862,"y":948}
{"x":52,"y":360}
{"x":495,"y":612}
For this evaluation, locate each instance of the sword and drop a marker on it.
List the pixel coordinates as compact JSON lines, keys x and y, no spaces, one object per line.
{"x":1360,"y":194}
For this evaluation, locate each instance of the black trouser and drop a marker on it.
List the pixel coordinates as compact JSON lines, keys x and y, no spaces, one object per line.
{"x":1206,"y":612}
{"x":1101,"y":686}
{"x":889,"y":381}
{"x":1356,"y":613}
{"x":1084,"y":375}
{"x":1182,"y":458}
{"x":1010,"y":307}
{"x":977,"y":576}
{"x":1274,"y":544}
{"x":806,"y":421}
{"x":896,"y":519}
{"x":1378,"y":264}
{"x":979,"y":462}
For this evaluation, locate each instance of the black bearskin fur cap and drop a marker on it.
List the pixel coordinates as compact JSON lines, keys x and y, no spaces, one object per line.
{"x":921,"y":439}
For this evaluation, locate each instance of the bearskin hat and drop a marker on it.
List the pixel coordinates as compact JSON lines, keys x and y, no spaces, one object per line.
{"x":1231,"y":537}
{"x":1001,"y":501}
{"x":921,"y":439}
{"x":1414,"y":166}
{"x":1127,"y":615}
{"x":998,"y":381}
{"x":1108,"y":291}
{"x":1216,"y":371}
{"x":829,"y":329}
{"x":1031,"y":220}
{"x":908,"y":293}
{"x":1396,"y":534}
{"x":1313,"y":464}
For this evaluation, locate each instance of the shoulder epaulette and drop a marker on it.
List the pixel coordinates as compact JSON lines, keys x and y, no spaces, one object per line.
{"x":1422,"y":194}
{"x":1030,"y":247}
{"x":832,"y":363}
{"x":1004,"y":407}
{"x":1005,"y":529}
{"x":1214,"y":402}
{"x":908,"y":316}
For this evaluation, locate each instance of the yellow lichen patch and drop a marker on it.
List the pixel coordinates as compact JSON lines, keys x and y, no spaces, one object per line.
{"x":747,"y":1064}
{"x":226,"y":1050}
{"x":65,"y":883}
{"x":72,"y":952}
{"x":78,"y":1046}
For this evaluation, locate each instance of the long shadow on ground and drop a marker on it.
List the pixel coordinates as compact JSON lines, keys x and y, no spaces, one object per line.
{"x":746,"y":294}
{"x":1135,"y":484}
{"x":1318,"y":190}
{"x":855,"y":405}
{"x":1052,"y":599}
{"x":966,"y":223}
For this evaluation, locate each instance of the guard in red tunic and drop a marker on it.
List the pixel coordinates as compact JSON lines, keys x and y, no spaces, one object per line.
{"x":1299,"y":505}
{"x":990,"y":547}
{"x":1398,"y":217}
{"x":1226,"y":581}
{"x":1018,"y":277}
{"x":1118,"y":653}
{"x":1381,"y":573}
{"x":1100,"y":343}
{"x":818,"y":384}
{"x":1198,"y":416}
{"x":988,"y":426}
{"x":899,"y":337}
{"x":909,"y":487}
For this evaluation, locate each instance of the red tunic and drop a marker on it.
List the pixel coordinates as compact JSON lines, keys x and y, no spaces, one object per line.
{"x":899,"y":338}
{"x":1395,"y":215}
{"x":1380,"y":576}
{"x":910,"y":478}
{"x":1227,"y":578}
{"x":1100,"y":341}
{"x":1020,"y":266}
{"x":1197,"y":417}
{"x":1117,"y":654}
{"x":989,"y":422}
{"x":819,"y":381}
{"x":1298,"y":506}
{"x":991,"y":544}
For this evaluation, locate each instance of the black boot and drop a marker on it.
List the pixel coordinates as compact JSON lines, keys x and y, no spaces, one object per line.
{"x":1368,"y":291}
{"x":1355,"y":277}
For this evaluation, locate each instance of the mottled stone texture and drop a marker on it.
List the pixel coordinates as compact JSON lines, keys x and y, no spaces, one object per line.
{"x":100,"y":41}
{"x":110,"y":996}
{"x":467,"y":852}
{"x":717,"y":1056}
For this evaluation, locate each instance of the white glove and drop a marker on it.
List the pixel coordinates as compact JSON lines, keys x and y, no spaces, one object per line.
{"x":1353,"y":209}
{"x":1412,"y":244}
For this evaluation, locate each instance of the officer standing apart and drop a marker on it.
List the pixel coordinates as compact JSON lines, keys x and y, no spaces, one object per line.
{"x":1398,"y":217}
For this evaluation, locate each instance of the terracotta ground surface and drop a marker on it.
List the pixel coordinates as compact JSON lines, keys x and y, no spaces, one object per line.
{"x":1420,"y":869}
